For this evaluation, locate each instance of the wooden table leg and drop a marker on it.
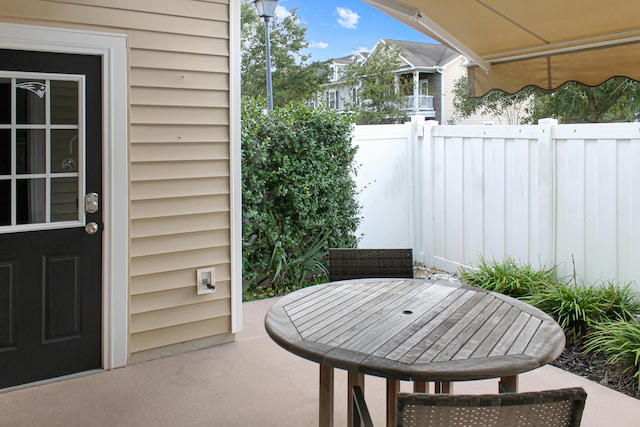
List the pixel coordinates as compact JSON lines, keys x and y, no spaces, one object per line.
{"x":508,"y":384}
{"x":326,"y":396}
{"x":443,"y":387}
{"x":420,"y":387}
{"x":353,"y":379}
{"x":393,"y":388}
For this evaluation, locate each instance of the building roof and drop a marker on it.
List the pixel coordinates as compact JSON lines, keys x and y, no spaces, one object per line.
{"x":350,"y":58}
{"x":344,"y":60}
{"x":416,"y":56}
{"x":424,"y":54}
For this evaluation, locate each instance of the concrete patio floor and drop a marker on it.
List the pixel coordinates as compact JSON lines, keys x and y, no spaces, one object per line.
{"x":248,"y":382}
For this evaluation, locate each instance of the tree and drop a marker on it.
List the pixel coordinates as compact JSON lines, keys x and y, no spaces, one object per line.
{"x":294,"y":78}
{"x":616,"y":100}
{"x":298,"y":193}
{"x":515,"y":108}
{"x":382,"y":98}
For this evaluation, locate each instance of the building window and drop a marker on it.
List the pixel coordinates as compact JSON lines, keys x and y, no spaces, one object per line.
{"x":331,"y":99}
{"x":424,"y":87}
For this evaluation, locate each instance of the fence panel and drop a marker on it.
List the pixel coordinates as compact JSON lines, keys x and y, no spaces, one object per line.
{"x":384,"y":180}
{"x":482,"y":184}
{"x":598,"y":201}
{"x":549,"y":194}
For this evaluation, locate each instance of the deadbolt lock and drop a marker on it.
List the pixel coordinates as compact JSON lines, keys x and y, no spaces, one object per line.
{"x":91,"y":202}
{"x":91,"y":228}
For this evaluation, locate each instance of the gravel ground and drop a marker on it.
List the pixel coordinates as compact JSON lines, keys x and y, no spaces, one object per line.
{"x":592,"y":367}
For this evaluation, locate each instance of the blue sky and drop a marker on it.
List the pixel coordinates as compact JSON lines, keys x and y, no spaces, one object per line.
{"x":337,"y":28}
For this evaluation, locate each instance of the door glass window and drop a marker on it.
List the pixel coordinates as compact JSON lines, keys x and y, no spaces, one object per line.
{"x":41,"y":151}
{"x":30,"y":201}
{"x":64,"y":199}
{"x":30,"y":151}
{"x":5,"y":208}
{"x":64,"y":102}
{"x":64,"y":150}
{"x":31,"y":97}
{"x":5,"y":101}
{"x":5,"y":152}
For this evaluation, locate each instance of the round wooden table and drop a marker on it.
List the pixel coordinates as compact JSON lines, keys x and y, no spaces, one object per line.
{"x":410,"y":329}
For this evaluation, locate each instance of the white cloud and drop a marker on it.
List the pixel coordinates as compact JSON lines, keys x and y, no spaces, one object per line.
{"x":281,"y":13}
{"x":319,"y":45}
{"x":347,"y":18}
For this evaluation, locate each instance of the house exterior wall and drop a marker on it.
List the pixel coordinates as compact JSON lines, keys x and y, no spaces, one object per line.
{"x":441,"y":86}
{"x":450,"y":74}
{"x":181,"y":156}
{"x":336,"y":97}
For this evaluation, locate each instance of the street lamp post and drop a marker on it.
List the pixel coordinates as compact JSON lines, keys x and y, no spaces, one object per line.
{"x":266,"y":10}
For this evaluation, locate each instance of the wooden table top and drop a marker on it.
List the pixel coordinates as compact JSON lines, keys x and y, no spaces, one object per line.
{"x":418,"y":330}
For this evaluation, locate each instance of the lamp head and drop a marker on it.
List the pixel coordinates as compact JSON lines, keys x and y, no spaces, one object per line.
{"x":266,"y":8}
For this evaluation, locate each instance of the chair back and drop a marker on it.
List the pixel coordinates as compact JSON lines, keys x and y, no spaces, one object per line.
{"x":553,"y":408}
{"x":368,"y":263}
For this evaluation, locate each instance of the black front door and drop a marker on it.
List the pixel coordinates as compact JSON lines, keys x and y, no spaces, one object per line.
{"x":50,"y":215}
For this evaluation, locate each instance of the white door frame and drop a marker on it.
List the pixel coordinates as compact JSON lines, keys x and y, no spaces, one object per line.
{"x":115,"y":262}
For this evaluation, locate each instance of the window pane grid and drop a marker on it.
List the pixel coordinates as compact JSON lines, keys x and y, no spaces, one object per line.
{"x":47,"y":163}
{"x":35,"y":201}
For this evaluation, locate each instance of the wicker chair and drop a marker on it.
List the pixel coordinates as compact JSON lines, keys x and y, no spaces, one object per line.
{"x":368,"y":263}
{"x":552,"y":408}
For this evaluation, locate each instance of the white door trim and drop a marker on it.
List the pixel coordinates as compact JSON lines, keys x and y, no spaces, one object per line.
{"x":113,"y":49}
{"x":236,"y":175}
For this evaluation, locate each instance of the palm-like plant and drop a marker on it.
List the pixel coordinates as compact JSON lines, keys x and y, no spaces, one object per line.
{"x":508,"y":277}
{"x":620,"y":340}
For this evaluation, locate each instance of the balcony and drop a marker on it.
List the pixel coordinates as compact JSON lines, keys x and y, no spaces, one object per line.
{"x":421,"y":104}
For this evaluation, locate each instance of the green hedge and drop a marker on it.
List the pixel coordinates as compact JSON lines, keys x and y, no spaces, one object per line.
{"x":298,"y":194}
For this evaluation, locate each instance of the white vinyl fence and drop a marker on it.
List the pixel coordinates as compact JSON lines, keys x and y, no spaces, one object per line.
{"x":549,"y":194}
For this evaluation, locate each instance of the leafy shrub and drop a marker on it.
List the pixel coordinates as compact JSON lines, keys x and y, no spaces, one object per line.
{"x":508,"y":277}
{"x":619,"y":340}
{"x":299,"y":196}
{"x":577,"y":307}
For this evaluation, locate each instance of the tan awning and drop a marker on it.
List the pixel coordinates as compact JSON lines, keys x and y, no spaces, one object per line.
{"x":512,"y":44}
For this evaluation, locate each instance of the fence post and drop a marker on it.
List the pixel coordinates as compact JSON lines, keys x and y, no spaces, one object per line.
{"x":546,"y":230}
{"x":422,"y":135}
{"x":416,"y":133}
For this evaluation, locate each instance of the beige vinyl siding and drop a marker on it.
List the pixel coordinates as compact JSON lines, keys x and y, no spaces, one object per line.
{"x":188,"y":80}
{"x":179,"y":155}
{"x":181,"y":98}
{"x":149,"y":227}
{"x":171,"y":170}
{"x":178,"y":133}
{"x":183,"y":152}
{"x":159,"y":208}
{"x":453,"y":72}
{"x":111,"y":15}
{"x":174,"y":279}
{"x":174,"y":188}
{"x":180,"y":333}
